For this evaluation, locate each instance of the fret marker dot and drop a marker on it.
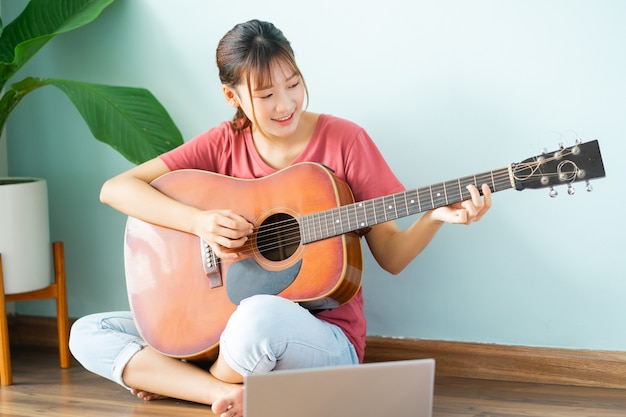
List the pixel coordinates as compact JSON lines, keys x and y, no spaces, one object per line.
{"x":412,"y":201}
{"x":438,"y":194}
{"x":337,"y":221}
{"x":362,"y":224}
{"x":390,"y":207}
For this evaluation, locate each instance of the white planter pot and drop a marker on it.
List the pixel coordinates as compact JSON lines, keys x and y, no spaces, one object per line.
{"x":24,"y":234}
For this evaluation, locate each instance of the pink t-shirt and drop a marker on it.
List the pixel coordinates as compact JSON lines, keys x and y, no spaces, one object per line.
{"x":339,"y":144}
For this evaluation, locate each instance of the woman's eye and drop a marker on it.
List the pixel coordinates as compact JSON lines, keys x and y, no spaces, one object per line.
{"x":294,"y":85}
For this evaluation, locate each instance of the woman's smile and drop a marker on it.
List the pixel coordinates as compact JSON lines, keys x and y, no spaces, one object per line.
{"x":284,"y":120}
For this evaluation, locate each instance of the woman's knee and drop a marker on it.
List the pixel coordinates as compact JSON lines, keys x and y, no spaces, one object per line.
{"x":259,"y":313}
{"x":269,"y":332}
{"x":94,"y":333}
{"x":80,"y":335}
{"x":265,"y":306}
{"x":261,"y":329}
{"x":104,"y":343}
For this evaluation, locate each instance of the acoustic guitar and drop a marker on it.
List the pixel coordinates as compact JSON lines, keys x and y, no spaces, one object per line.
{"x":305,"y":247}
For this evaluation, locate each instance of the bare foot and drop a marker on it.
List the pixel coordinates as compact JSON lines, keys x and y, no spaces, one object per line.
{"x":145,"y":395}
{"x":230,"y":405}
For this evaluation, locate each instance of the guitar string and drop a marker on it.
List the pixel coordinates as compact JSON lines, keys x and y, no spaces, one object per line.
{"x":500,"y":179}
{"x":290,"y":229}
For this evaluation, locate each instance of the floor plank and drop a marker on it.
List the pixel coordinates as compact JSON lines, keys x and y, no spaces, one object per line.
{"x":486,"y":398}
{"x":41,"y":388}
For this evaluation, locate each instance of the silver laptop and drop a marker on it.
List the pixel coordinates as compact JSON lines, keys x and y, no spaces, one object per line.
{"x":398,"y":389}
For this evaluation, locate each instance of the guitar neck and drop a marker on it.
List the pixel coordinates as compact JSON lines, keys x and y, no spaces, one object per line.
{"x":363,"y":214}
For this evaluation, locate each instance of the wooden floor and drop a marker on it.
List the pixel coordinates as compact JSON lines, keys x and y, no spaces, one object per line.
{"x":42,"y":389}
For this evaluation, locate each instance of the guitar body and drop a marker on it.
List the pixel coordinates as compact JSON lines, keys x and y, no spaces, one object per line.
{"x":304,"y":247}
{"x":179,"y":309}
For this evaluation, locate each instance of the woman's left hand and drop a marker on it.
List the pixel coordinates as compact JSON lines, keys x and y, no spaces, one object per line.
{"x":468,"y":211}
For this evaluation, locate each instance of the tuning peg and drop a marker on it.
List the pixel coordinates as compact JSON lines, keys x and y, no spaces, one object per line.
{"x":553,"y":193}
{"x":570,"y":189}
{"x":588,"y":186}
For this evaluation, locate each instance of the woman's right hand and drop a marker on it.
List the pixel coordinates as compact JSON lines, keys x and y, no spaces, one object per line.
{"x":224,"y":230}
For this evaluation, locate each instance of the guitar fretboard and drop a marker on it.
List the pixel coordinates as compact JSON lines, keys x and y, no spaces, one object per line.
{"x":352,"y":217}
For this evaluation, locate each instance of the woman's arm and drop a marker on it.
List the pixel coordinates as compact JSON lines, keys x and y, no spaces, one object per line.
{"x":394,"y":249}
{"x":132,"y":194}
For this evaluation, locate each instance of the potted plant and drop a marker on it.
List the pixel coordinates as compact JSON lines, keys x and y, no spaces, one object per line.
{"x":129,"y":119}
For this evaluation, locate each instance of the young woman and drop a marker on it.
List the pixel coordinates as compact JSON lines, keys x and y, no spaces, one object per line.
{"x":270,"y":131}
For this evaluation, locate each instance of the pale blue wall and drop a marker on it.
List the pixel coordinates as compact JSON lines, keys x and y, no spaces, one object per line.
{"x":446,"y":88}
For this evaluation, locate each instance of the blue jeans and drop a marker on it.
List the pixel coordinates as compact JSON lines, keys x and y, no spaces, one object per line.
{"x":265,"y":333}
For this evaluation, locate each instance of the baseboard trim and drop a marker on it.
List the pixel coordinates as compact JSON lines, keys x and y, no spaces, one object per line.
{"x":38,"y":331}
{"x":590,"y":368}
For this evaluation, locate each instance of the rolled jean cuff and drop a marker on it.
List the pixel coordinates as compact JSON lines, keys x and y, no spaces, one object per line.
{"x":122,"y":360}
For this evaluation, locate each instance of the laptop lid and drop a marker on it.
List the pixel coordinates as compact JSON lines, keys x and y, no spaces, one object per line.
{"x":400,"y":389}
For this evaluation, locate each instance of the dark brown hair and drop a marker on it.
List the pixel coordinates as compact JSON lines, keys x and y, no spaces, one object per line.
{"x":253,"y":47}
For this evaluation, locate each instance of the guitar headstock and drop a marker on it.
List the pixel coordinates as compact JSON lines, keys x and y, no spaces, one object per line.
{"x":581,"y":162}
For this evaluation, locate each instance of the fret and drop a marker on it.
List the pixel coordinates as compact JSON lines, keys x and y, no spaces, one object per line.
{"x":352,"y":222}
{"x":426,"y":198}
{"x":305,"y":230}
{"x":370,"y":212}
{"x":485,"y":178}
{"x":352,"y":216}
{"x":437,"y":191}
{"x":379,"y":209}
{"x":361,"y":215}
{"x":414,"y":201}
{"x":305,"y":226}
{"x":452,"y":192}
{"x":335,"y":221}
{"x":311,"y":223}
{"x":389,"y":207}
{"x":345,"y":224}
{"x":401,"y":207}
{"x":432,"y":200}
{"x":325,"y":223}
{"x":319,"y":225}
{"x":406,"y":203}
{"x":503,"y":179}
{"x":338,"y":222}
{"x":321,"y":221}
{"x":316,"y":226}
{"x":330,"y":219}
{"x":464,"y":182}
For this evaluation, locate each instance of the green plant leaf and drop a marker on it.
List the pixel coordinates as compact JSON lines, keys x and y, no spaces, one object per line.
{"x":131,"y":120}
{"x":40,"y":21}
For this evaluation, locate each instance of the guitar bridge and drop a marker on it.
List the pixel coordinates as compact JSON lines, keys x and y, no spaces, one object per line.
{"x":210,"y":264}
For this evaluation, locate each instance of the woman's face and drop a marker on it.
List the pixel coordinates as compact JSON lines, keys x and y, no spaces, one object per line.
{"x":276,"y":108}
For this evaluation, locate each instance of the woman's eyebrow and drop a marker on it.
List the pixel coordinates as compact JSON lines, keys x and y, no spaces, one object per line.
{"x":267,"y":87}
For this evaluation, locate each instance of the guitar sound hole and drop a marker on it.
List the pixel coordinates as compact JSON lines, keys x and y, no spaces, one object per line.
{"x":278,"y":237}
